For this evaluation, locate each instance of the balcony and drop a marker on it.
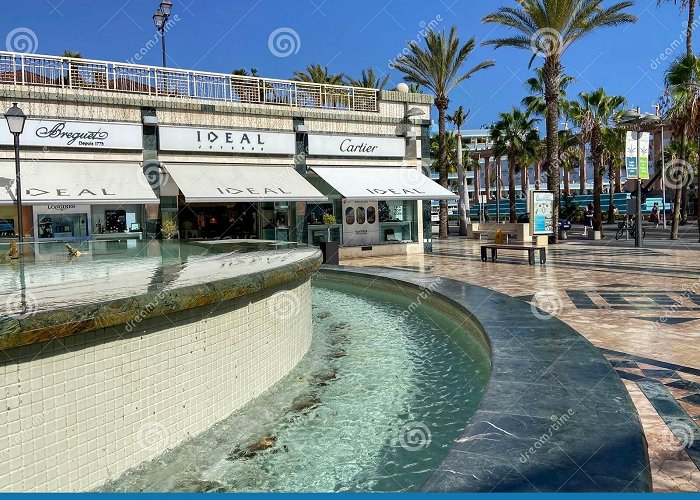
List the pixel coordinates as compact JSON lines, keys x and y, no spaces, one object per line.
{"x":61,"y":72}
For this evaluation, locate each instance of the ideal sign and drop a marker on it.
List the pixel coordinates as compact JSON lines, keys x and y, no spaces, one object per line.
{"x":358,"y":147}
{"x":226,"y":141}
{"x":75,"y":134}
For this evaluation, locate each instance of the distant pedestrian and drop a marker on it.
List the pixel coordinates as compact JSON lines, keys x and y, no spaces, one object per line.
{"x":654,"y":217}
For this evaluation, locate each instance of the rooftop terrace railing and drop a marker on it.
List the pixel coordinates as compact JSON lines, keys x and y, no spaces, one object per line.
{"x":49,"y":71}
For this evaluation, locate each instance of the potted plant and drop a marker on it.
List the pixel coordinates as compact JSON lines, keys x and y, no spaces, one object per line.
{"x":169,"y":229}
{"x":328,"y":247}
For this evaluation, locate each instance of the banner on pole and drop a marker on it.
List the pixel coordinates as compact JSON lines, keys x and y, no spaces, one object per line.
{"x":644,"y":155}
{"x":635,"y":171}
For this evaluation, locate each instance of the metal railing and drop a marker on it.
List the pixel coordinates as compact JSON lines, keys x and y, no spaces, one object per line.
{"x":49,"y":71}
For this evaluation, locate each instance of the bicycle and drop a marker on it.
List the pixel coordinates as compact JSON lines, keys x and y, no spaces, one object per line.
{"x":631,"y":228}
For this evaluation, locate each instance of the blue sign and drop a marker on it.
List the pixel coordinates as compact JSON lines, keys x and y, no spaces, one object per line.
{"x":631,"y":168}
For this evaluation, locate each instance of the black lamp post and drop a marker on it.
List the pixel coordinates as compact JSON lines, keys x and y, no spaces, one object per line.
{"x":160,"y":19}
{"x":15,"y":121}
{"x":636,"y":121}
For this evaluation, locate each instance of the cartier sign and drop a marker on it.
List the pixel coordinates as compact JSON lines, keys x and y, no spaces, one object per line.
{"x":355,"y":146}
{"x":226,"y":141}
{"x":77,"y":134}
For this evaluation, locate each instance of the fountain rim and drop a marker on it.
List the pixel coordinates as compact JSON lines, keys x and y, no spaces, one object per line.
{"x":44,"y":325}
{"x":488,"y":454}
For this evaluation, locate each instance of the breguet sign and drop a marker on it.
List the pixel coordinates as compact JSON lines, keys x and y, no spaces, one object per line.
{"x":226,"y":141}
{"x":79,"y":135}
{"x":358,"y":147}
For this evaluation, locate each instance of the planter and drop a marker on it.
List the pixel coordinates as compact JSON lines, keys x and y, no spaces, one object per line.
{"x":562,"y":234}
{"x":330,"y":252}
{"x":595,"y":235}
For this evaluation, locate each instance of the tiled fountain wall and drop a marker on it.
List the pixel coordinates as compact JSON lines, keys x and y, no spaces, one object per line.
{"x":80,"y":410}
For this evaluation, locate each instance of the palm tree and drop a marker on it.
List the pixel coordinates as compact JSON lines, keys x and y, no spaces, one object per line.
{"x":599,"y":111}
{"x":414,"y":88}
{"x":315,"y":73}
{"x":535,"y":102}
{"x":614,"y":158}
{"x":73,"y":77}
{"x":369,"y":80}
{"x":690,"y":5}
{"x":682,"y":109}
{"x":438,"y":68}
{"x":451,"y":150}
{"x":548,"y":28}
{"x":458,"y":118}
{"x":244,"y":72}
{"x":569,"y":156}
{"x":514,"y":135}
{"x":575,"y":111}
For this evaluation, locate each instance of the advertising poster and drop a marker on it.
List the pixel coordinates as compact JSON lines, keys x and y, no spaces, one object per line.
{"x":635,"y":171}
{"x":644,"y":155}
{"x":542,"y":212}
{"x":360,"y":223}
{"x":631,"y":155}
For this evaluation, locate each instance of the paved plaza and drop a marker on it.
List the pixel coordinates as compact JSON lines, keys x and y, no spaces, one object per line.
{"x":640,"y":306}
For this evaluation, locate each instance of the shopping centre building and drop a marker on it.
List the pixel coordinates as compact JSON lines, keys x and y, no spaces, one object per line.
{"x":114,"y":150}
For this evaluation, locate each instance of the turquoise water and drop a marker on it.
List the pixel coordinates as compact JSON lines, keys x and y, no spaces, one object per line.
{"x":374,"y":406}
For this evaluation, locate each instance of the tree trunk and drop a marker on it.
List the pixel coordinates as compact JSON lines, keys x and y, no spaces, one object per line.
{"x":461,"y":189}
{"x":524,"y":182}
{"x":582,"y":167}
{"x":552,"y":75}
{"x":684,"y":205}
{"x":441,"y":103}
{"x":538,"y":174}
{"x":477,"y":183}
{"x":689,"y":31}
{"x":675,"y":219}
{"x":611,"y":199}
{"x":487,"y":179}
{"x":597,"y":154}
{"x":567,"y":182}
{"x":618,"y":177}
{"x":511,"y":188}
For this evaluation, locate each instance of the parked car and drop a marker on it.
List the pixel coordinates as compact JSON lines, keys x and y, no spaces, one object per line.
{"x":564,"y":224}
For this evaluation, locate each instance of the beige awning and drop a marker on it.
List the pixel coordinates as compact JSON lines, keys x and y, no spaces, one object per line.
{"x":383,"y":183}
{"x":212,"y":183}
{"x":48,"y":182}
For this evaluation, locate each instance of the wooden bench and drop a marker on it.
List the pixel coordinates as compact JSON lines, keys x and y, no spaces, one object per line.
{"x":530,"y":249}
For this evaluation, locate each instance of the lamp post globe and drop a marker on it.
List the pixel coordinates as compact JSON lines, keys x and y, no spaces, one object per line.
{"x":166,"y":7}
{"x":15,"y":121}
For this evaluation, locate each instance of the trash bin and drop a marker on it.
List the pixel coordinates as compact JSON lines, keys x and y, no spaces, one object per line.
{"x":562,"y":234}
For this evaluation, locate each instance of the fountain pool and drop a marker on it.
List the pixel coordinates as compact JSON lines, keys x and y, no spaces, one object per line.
{"x":375,"y":405}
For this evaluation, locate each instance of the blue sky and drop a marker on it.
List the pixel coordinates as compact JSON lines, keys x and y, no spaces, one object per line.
{"x":219,"y":35}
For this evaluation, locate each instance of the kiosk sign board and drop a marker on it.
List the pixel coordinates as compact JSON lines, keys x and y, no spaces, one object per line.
{"x":542,"y":212}
{"x":360,"y":222}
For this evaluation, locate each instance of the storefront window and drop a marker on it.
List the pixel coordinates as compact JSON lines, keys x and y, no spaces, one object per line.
{"x":398,"y":221}
{"x":7,"y":221}
{"x":276,"y":221}
{"x":317,"y":231}
{"x":62,"y":225}
{"x":232,"y":221}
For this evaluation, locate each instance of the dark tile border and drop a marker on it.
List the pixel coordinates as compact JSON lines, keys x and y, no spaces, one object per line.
{"x":554,"y":417}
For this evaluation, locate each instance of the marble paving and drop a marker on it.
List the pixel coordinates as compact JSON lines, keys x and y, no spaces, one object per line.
{"x":641,"y":307}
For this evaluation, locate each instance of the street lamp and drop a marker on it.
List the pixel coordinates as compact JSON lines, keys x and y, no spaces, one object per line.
{"x":15,"y":121}
{"x":160,"y":19}
{"x":637,"y":121}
